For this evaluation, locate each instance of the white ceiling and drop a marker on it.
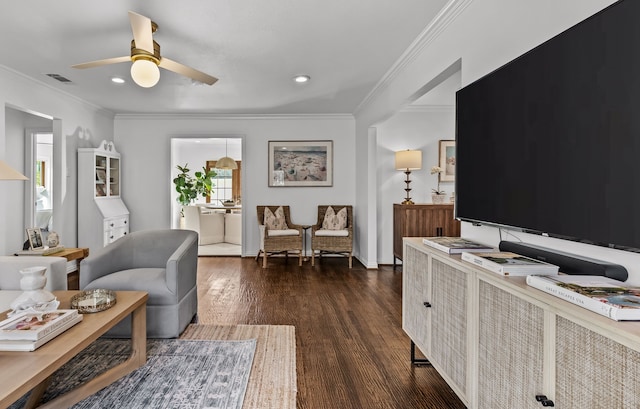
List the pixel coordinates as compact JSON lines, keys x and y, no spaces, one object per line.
{"x":254,"y":47}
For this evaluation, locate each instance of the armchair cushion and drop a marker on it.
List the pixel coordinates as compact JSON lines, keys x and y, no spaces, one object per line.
{"x":275,"y":221}
{"x":332,"y":233}
{"x":333,"y":220}
{"x":10,"y":276}
{"x":10,"y":267}
{"x":285,"y":232}
{"x":151,"y":280}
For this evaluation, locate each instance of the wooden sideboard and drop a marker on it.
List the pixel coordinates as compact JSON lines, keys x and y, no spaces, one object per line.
{"x":422,"y":220}
{"x":500,"y":343}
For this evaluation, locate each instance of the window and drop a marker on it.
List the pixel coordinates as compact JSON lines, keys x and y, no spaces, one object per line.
{"x":226,"y":183}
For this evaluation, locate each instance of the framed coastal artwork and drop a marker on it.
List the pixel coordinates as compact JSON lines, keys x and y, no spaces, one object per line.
{"x":447,"y":161}
{"x":300,"y":163}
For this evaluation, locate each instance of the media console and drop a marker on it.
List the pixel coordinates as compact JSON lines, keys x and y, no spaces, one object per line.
{"x":569,"y":263}
{"x":500,"y":343}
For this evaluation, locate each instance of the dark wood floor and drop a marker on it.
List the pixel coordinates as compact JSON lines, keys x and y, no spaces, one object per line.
{"x":351,"y":350}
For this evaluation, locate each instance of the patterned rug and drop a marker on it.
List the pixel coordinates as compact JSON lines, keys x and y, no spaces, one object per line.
{"x":272,"y":383}
{"x":178,"y":374}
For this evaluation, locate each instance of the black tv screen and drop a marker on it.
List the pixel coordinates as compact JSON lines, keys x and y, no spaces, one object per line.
{"x":550,"y":142}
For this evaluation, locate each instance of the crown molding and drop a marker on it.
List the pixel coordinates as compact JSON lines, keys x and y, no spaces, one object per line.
{"x":446,"y":16}
{"x":93,"y":106}
{"x":232,"y":117}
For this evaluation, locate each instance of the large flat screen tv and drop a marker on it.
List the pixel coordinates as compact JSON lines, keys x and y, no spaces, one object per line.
{"x":550,"y":142}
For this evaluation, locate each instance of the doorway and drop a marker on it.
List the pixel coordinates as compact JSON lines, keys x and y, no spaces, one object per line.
{"x":222,"y":209}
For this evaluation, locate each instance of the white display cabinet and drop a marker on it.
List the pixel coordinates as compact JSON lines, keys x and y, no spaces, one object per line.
{"x":102,"y":215}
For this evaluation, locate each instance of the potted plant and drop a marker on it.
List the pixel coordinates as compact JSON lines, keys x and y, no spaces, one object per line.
{"x":438,"y":195}
{"x":189,"y":187}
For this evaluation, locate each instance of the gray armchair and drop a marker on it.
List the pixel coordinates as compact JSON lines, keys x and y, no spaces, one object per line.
{"x":161,"y":262}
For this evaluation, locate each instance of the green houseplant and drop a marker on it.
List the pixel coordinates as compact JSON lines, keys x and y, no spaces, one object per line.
{"x":190,"y":187}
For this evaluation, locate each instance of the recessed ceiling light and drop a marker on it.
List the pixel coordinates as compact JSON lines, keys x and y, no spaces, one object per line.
{"x":117,"y":80}
{"x":301,"y":78}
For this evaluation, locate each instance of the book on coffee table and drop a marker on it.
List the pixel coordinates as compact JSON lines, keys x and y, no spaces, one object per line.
{"x":26,"y":345}
{"x":29,"y":326}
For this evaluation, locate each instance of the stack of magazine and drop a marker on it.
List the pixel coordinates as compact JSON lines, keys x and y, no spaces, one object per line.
{"x":603,"y":295}
{"x":455,"y":245}
{"x":510,"y":264}
{"x":28,"y":331}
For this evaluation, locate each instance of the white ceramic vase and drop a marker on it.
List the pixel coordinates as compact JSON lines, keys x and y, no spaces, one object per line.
{"x":32,"y":283}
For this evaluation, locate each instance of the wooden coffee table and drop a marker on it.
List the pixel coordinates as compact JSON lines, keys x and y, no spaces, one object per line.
{"x":24,"y":371}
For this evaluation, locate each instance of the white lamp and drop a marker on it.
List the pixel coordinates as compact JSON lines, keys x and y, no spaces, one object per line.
{"x":226,"y":162}
{"x":407,"y":161}
{"x":145,"y":72}
{"x":9,"y":173}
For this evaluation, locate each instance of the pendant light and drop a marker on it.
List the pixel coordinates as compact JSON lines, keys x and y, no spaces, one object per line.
{"x":226,"y":162}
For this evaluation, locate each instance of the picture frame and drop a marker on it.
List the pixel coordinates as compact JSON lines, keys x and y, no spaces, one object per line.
{"x":447,"y":160}
{"x":35,"y":238}
{"x":300,"y":163}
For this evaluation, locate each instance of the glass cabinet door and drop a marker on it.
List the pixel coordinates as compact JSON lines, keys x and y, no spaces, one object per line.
{"x":114,"y":177}
{"x":101,"y":176}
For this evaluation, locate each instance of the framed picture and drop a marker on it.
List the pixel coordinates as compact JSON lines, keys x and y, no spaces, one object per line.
{"x":35,"y":238}
{"x":300,"y":163}
{"x":447,"y":161}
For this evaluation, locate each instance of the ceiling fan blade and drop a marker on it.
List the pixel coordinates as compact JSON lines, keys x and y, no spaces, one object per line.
{"x":142,"y":34}
{"x":187,"y":71}
{"x":98,"y":63}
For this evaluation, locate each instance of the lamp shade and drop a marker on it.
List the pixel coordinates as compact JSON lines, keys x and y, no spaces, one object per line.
{"x":226,"y":163}
{"x":9,"y":173}
{"x":408,"y":160}
{"x":145,"y":73}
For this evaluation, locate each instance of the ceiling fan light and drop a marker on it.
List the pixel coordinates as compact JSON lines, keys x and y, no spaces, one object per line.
{"x":301,"y":79}
{"x":145,"y":73}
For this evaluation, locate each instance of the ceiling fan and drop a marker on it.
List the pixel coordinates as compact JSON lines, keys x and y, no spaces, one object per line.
{"x":145,"y":54}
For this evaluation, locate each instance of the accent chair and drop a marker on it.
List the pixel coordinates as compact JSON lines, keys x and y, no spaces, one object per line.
{"x":161,"y":262}
{"x":333,"y":232}
{"x":277,"y":233}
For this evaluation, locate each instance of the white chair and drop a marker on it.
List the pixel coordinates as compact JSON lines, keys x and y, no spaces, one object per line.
{"x":233,"y":228}
{"x":43,"y":218}
{"x":209,"y":226}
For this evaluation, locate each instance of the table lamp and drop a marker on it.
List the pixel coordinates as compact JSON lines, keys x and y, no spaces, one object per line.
{"x":407,"y":161}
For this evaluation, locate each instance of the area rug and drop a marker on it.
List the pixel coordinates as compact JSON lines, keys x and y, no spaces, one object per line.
{"x":178,"y":374}
{"x":272,"y":382}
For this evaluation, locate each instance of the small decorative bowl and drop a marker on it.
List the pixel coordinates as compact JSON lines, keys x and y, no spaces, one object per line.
{"x":229,"y":204}
{"x":91,"y":301}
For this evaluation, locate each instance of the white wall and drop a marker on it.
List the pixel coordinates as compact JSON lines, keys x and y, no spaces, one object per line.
{"x":145,"y":144}
{"x":484,"y":35}
{"x":75,"y":124}
{"x":418,"y":128}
